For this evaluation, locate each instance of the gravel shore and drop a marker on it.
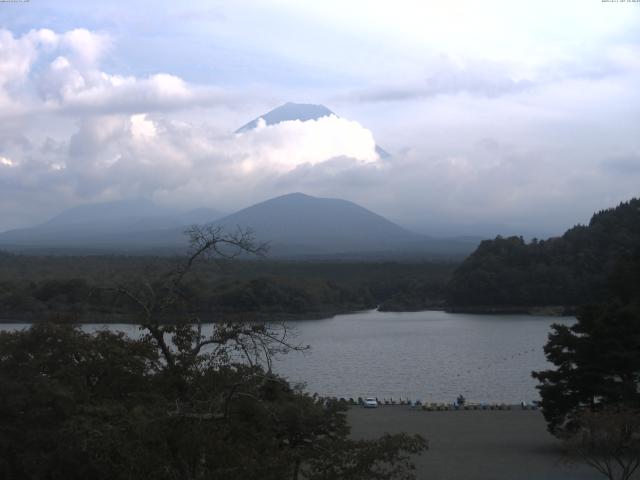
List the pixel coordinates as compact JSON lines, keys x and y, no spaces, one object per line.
{"x":475,"y":445}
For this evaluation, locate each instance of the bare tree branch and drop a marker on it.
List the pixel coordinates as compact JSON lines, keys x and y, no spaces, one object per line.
{"x":257,"y":342}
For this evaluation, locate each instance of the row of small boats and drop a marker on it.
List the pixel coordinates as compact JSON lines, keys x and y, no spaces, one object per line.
{"x":373,"y":402}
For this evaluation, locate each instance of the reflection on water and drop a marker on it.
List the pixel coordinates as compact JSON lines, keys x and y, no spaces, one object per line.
{"x":433,"y":356}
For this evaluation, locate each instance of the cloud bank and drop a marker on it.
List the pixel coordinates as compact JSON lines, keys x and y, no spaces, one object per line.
{"x":109,"y":136}
{"x":537,"y":132}
{"x":47,"y":72}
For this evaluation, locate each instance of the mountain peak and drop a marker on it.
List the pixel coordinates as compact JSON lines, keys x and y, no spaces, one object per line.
{"x":297,"y":111}
{"x":309,"y":108}
{"x":294,"y":196}
{"x":287,"y":112}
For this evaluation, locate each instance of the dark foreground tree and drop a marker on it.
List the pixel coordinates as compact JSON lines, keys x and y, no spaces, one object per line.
{"x":597,"y":359}
{"x":175,"y":403}
{"x":609,"y":441}
{"x":592,"y":399}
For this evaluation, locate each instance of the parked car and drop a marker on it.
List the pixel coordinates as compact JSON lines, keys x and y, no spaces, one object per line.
{"x":370,"y":402}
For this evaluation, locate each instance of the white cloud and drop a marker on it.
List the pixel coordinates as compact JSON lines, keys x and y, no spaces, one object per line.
{"x":284,"y":146}
{"x":7,"y":162}
{"x":446,"y":77}
{"x":45,"y":72}
{"x":142,"y":127}
{"x":86,"y":47}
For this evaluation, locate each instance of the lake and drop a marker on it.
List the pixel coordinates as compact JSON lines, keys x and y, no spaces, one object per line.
{"x":431,"y":355}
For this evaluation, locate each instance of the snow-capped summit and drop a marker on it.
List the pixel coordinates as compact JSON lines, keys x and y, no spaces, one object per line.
{"x":297,"y":111}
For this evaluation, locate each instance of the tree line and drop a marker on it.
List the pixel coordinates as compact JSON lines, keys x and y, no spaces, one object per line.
{"x":570,"y":270}
{"x":36,"y":288}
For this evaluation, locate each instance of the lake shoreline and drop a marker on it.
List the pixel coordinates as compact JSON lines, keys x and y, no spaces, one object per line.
{"x":533,"y":310}
{"x":132,"y":319}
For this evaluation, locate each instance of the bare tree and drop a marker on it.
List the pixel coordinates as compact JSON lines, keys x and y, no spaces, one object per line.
{"x":609,"y":441}
{"x":181,"y":340}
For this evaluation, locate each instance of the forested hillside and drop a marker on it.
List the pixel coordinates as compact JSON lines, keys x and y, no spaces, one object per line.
{"x":569,"y":270}
{"x":38,"y":288}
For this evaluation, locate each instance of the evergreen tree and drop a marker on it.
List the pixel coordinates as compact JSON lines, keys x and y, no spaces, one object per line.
{"x":598,"y":359}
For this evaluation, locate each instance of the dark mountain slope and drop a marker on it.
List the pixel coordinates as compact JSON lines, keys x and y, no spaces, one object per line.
{"x":569,"y":270}
{"x":320,"y":225}
{"x":101,"y":224}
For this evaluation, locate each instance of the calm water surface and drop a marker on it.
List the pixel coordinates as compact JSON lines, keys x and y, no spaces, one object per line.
{"x":432,"y":356}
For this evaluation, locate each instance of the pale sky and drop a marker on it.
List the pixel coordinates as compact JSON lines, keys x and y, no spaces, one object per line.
{"x":503,"y":113}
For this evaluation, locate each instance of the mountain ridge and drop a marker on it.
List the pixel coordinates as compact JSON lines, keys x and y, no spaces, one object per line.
{"x":295,"y":225}
{"x":96,"y":223}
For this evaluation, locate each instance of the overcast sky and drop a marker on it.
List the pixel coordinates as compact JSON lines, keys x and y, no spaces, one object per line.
{"x":517,"y":113}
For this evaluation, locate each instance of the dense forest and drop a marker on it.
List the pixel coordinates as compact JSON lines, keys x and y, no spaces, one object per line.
{"x":570,"y":270}
{"x":87,"y":288}
{"x":504,"y":274}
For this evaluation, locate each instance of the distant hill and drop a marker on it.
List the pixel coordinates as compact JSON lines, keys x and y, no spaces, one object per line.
{"x":297,"y":111}
{"x":301,"y":225}
{"x":569,"y":270}
{"x":320,"y":225}
{"x":296,"y":225}
{"x":122,"y":222}
{"x":129,"y":208}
